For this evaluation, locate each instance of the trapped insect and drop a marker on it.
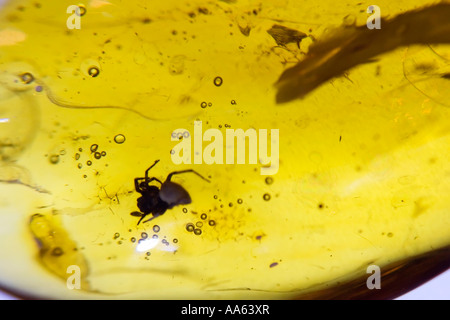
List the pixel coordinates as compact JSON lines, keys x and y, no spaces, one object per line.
{"x":156,"y":201}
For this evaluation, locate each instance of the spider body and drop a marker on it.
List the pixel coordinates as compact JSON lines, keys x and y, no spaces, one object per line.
{"x":156,"y":201}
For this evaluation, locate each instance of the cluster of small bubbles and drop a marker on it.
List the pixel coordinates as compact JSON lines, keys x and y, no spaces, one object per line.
{"x":269,"y":180}
{"x":144,"y":235}
{"x":54,"y":158}
{"x":203,"y":216}
{"x":119,"y":139}
{"x":266,"y":196}
{"x":164,"y":241}
{"x":116,"y":235}
{"x":93,"y":71}
{"x":156,"y":228}
{"x":227,"y":125}
{"x":26,"y":77}
{"x":218,"y":81}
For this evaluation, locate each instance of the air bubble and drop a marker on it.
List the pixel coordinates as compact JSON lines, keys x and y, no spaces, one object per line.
{"x":26,"y":77}
{"x":233,"y":102}
{"x":97,"y":155}
{"x":133,"y":239}
{"x":197,"y":231}
{"x":82,"y":10}
{"x":266,"y":196}
{"x":89,"y":162}
{"x":199,"y":224}
{"x":57,"y":252}
{"x":203,"y":104}
{"x":212,"y":223}
{"x":175,"y":240}
{"x":103,"y":153}
{"x":80,"y":166}
{"x":239,"y":201}
{"x":203,"y":216}
{"x":218,"y":81}
{"x":94,"y":148}
{"x":119,"y":139}
{"x":77,"y":156}
{"x":116,"y":235}
{"x":144,"y":235}
{"x":190,"y":227}
{"x":54,"y":158}
{"x":269,"y":180}
{"x":155,"y":236}
{"x":94,"y":71}
{"x":156,"y":228}
{"x":185,"y":210}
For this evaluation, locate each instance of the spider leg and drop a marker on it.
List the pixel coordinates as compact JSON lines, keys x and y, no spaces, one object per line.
{"x":185,"y":171}
{"x":146,"y":171}
{"x":155,"y":216}
{"x":142,"y":217}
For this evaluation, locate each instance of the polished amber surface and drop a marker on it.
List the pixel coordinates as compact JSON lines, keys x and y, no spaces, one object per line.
{"x":361,"y":177}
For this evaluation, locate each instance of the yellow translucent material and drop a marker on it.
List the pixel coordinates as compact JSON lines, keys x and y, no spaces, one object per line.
{"x":363,"y":173}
